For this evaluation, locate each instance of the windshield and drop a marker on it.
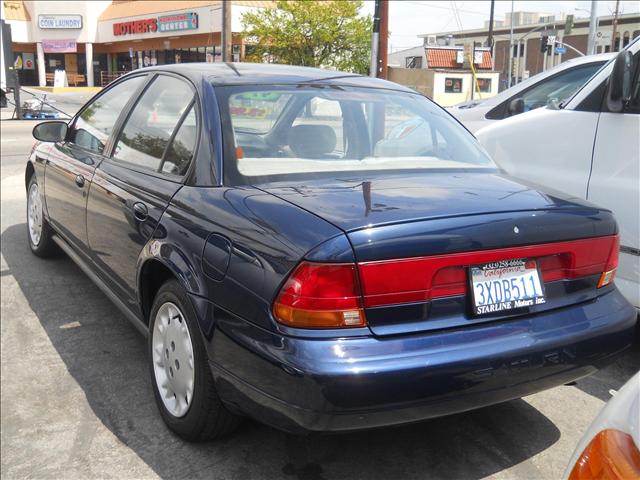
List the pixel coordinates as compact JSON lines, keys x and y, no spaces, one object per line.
{"x":304,"y":131}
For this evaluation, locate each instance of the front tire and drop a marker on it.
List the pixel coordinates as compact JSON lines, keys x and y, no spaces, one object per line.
{"x":182,"y":382}
{"x":39,"y":232}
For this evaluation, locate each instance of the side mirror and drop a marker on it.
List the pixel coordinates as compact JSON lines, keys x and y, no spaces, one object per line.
{"x":55,"y":131}
{"x":619,"y":88}
{"x":516,"y":106}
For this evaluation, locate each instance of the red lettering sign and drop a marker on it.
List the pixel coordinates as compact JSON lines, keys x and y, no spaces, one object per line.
{"x":136,"y":26}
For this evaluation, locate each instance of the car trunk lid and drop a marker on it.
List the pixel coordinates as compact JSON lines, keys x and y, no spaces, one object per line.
{"x":415,"y":239}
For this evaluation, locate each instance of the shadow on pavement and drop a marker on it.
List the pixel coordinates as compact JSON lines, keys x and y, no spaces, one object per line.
{"x":107,"y":358}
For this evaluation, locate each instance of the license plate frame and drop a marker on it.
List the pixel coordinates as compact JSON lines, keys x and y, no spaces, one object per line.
{"x":519,"y":270}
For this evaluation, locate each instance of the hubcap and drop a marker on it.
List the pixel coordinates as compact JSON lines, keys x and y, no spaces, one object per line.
{"x":34,"y":214}
{"x":173,"y":359}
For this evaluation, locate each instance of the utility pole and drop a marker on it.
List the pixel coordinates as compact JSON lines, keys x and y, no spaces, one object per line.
{"x":226,"y":31}
{"x":490,"y":36}
{"x":510,"y":67}
{"x":375,"y":35}
{"x":593,"y":28}
{"x":383,"y":39}
{"x":615,"y":28}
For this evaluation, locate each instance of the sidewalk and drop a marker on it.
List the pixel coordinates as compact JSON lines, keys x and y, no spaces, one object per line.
{"x":85,"y":90}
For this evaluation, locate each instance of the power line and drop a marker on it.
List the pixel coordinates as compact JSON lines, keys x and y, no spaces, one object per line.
{"x":457,"y":15}
{"x":442,"y":7}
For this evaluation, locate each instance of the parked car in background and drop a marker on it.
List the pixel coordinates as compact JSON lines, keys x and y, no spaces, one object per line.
{"x":554,"y":85}
{"x":610,"y":448}
{"x":291,"y":260}
{"x":589,"y":148}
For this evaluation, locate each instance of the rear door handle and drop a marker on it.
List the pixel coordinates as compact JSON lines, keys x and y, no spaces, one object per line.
{"x":80,"y":181}
{"x":140,"y":211}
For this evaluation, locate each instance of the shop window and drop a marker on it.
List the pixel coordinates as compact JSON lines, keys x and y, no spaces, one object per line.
{"x":484,"y":84}
{"x":154,"y":118}
{"x":453,"y":85}
{"x":95,"y":124}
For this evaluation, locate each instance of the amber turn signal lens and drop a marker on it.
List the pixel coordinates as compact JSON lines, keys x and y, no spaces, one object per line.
{"x":611,"y":455}
{"x":606,"y":278}
{"x":296,"y":317}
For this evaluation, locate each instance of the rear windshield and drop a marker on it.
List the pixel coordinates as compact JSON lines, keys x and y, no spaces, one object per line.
{"x":307,"y":131}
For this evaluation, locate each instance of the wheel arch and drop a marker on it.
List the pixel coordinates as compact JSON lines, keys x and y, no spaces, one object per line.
{"x":158,"y":263}
{"x":29,"y":171}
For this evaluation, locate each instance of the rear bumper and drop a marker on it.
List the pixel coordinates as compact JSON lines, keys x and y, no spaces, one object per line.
{"x":303,"y":384}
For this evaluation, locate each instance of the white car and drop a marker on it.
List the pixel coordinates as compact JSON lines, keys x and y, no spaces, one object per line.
{"x":589,"y":148}
{"x":553,"y":85}
{"x":611,"y":446}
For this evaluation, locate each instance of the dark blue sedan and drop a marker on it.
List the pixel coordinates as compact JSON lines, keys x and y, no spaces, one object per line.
{"x":320,"y":251}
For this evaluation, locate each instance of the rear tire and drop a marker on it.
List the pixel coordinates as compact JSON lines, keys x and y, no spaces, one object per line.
{"x":39,"y":232}
{"x":182,"y":382}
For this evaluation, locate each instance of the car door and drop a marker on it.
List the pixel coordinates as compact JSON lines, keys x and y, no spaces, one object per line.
{"x":132,"y":188}
{"x":615,"y":184}
{"x":70,"y":165}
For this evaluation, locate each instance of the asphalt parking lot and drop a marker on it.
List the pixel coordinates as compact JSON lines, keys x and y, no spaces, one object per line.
{"x":76,"y":399}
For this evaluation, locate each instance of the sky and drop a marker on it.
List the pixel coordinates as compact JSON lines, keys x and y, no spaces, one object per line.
{"x":409,"y":18}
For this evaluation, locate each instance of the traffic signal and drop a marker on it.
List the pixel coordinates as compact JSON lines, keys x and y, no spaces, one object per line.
{"x":568,"y":26}
{"x":547,"y":42}
{"x":544,"y":44}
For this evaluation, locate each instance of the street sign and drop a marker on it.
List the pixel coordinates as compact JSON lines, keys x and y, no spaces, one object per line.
{"x":603,"y":37}
{"x":561,"y":50}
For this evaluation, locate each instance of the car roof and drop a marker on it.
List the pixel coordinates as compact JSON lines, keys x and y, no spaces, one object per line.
{"x":271,"y":74}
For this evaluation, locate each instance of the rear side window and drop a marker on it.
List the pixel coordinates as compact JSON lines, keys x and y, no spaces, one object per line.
{"x":95,"y":124}
{"x":180,"y":151}
{"x":162,"y":110}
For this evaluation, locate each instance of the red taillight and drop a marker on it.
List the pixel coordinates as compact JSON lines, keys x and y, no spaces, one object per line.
{"x":422,"y":279}
{"x":318,"y":295}
{"x":611,"y":455}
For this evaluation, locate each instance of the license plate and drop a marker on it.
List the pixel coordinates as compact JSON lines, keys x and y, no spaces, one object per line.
{"x":506,"y":285}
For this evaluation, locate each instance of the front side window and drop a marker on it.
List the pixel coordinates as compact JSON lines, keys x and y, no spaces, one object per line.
{"x":559,"y":87}
{"x":94,"y":125}
{"x":165,"y":106}
{"x":322,"y":130}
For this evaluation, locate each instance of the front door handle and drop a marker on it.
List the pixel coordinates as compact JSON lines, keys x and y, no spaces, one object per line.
{"x":140,"y":211}
{"x":80,"y":181}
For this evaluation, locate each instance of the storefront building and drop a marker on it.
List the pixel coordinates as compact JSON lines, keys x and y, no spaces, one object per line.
{"x":96,"y":41}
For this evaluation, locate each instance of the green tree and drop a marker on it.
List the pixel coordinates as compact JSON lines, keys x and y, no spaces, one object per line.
{"x":328,"y":34}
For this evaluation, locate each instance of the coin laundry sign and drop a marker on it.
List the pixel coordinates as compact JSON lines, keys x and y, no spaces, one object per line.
{"x":167,"y":23}
{"x":60,"y":21}
{"x":181,"y":21}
